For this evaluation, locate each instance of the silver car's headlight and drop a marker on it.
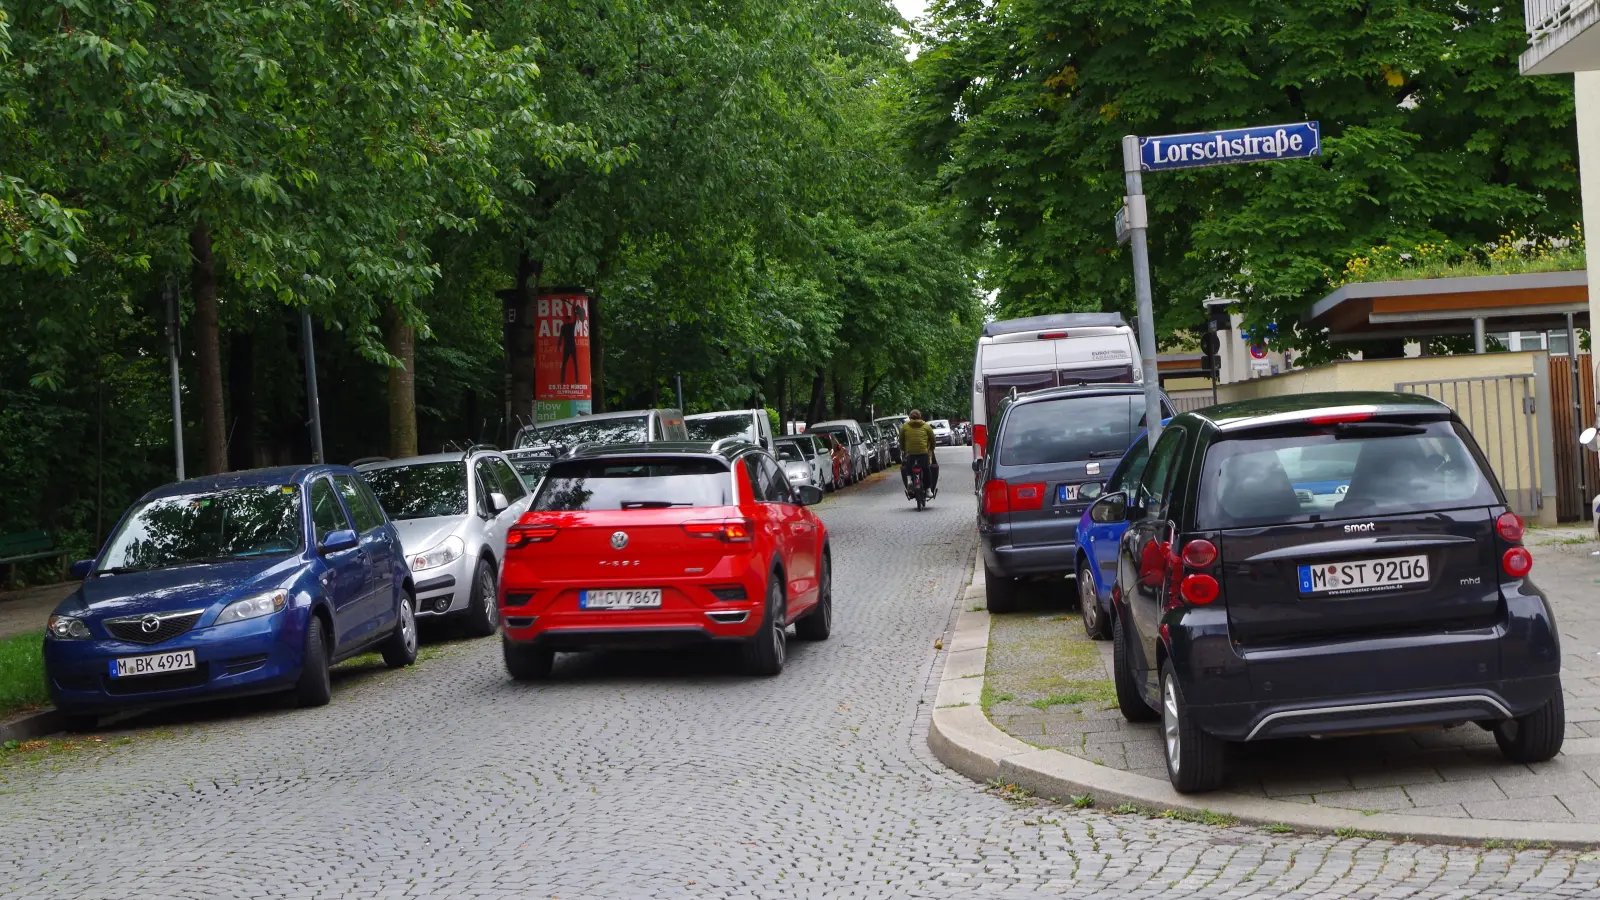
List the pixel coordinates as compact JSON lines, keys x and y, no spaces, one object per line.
{"x":253,"y":607}
{"x":66,"y":628}
{"x":450,"y":550}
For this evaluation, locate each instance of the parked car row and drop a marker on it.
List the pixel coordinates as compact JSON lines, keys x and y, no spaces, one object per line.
{"x":1317,"y":565}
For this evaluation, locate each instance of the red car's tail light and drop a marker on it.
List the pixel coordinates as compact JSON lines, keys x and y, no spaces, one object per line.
{"x":525,"y":532}
{"x":1200,"y":589}
{"x":995,"y":501}
{"x":1517,"y":562}
{"x":1510,"y":527}
{"x":729,"y":530}
{"x":1199,"y":554}
{"x":1027,"y":497}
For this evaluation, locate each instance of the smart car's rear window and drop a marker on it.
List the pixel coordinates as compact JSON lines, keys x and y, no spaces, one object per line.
{"x":634,"y":483}
{"x":1340,"y":472}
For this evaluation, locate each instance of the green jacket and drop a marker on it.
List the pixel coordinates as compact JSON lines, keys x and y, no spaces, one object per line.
{"x":916,"y":436}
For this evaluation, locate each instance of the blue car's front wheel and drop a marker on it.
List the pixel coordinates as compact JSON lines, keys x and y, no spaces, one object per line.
{"x":314,"y":688}
{"x":1095,"y":623}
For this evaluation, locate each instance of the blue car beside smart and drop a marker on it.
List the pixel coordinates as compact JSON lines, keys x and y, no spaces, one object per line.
{"x":245,"y":583}
{"x":1098,"y":538}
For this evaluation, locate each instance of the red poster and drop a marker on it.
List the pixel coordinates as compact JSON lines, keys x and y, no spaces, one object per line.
{"x":561,"y":354}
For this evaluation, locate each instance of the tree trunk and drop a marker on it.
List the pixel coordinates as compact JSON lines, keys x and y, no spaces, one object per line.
{"x":817,"y":408}
{"x":207,"y":351}
{"x":242,"y":400}
{"x":520,"y":330}
{"x":597,"y":357}
{"x":838,"y":396}
{"x":402,"y":340}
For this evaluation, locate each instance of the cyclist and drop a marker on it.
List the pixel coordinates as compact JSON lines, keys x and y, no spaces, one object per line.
{"x":917,"y":442}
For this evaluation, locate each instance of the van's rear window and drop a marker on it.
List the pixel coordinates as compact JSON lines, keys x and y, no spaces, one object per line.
{"x":1340,"y":472}
{"x":1068,"y":430}
{"x":634,"y":483}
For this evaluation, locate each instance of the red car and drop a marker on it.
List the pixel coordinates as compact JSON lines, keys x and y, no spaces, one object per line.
{"x":665,"y":545}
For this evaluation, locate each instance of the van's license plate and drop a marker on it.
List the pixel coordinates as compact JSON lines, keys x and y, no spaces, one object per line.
{"x":1365,"y":575}
{"x":630,"y":598}
{"x":1066,"y":492}
{"x":154,"y":664}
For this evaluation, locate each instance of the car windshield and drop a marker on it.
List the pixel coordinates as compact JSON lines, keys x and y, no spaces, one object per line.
{"x":206,"y":527}
{"x":716,"y":428}
{"x":531,"y":468}
{"x":806,"y":448}
{"x":1339,"y":472}
{"x":420,"y":491}
{"x":790,"y":453}
{"x":618,"y":430}
{"x":1067,"y":430}
{"x":838,"y":433}
{"x":634,"y":483}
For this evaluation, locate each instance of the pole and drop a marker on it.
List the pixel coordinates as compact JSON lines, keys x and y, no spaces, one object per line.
{"x":680,"y":392}
{"x":1138,"y":224}
{"x":1479,"y":342}
{"x":1577,"y":411}
{"x":312,"y":406}
{"x":171,"y":292}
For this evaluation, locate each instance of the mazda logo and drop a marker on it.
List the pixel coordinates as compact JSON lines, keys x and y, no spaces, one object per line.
{"x":619,"y":540}
{"x":149,"y":624}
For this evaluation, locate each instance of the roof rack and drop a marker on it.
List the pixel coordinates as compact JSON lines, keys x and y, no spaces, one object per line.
{"x":368,"y":459}
{"x":473,"y":448}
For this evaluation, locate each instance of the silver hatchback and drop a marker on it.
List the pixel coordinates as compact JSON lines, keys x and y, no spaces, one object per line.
{"x":452,"y":511}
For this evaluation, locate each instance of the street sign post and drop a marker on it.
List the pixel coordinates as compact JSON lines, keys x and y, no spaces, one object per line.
{"x":1188,"y":151}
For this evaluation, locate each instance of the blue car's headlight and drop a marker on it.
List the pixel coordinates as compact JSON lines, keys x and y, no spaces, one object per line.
{"x":253,"y":607}
{"x":66,"y":628}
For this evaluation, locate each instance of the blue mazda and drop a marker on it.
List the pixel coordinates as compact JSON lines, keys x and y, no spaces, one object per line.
{"x":245,"y":583}
{"x":1099,"y":536}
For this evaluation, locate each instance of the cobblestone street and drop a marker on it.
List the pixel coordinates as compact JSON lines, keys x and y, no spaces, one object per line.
{"x":662,"y":776}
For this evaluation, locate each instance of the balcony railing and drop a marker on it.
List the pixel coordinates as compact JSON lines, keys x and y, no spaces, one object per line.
{"x":1545,"y":16}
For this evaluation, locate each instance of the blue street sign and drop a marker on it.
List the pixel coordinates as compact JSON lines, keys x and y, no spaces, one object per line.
{"x":1237,"y":145}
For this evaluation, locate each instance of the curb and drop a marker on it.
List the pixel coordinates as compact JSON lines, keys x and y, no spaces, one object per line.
{"x":32,"y":725}
{"x":963,"y":738}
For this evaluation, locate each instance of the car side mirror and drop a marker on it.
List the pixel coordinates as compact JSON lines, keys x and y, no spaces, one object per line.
{"x":808,"y":495}
{"x":498,"y":502}
{"x":82,"y":568}
{"x":1587,"y":439}
{"x":343,"y":539}
{"x":1090,"y":491}
{"x":1109,"y":508}
{"x":977,"y":464}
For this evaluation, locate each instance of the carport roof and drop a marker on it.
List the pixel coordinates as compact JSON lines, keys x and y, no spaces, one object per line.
{"x":1431,"y":307}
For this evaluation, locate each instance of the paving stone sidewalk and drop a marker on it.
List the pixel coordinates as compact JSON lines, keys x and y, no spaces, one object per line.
{"x":1048,"y":685}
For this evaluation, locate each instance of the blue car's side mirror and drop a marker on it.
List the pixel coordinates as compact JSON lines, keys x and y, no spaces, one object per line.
{"x":82,"y":568}
{"x":343,"y":539}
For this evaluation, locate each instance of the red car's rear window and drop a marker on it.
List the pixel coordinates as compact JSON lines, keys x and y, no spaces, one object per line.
{"x":634,"y":483}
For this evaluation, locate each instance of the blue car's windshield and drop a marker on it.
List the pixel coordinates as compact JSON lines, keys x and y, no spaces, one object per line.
{"x":209,"y":527}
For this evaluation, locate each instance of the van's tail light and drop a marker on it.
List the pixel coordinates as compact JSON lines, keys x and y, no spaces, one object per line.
{"x":1199,"y":554}
{"x":1517,"y":562}
{"x":527,"y":532}
{"x":1027,"y":497}
{"x":980,"y":437}
{"x":1199,"y":589}
{"x":1510,"y":527}
{"x":995,"y":501}
{"x":728,"y":530}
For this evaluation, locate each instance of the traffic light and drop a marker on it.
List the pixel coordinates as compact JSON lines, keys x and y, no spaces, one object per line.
{"x":1211,"y":348}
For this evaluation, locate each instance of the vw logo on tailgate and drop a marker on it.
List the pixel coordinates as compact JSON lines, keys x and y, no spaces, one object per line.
{"x":619,"y":540}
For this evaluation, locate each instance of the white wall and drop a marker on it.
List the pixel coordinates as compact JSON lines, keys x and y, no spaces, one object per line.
{"x":1586,"y":91}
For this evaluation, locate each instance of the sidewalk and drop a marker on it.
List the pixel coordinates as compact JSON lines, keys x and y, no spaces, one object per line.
{"x":1048,"y":689}
{"x":26,"y":610}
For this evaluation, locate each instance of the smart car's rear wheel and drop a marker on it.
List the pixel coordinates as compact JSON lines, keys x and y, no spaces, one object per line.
{"x":314,"y":687}
{"x":1536,"y":736}
{"x":1094,"y":618}
{"x":818,"y":624}
{"x":400,"y":649}
{"x":1129,"y":701}
{"x":482,"y":612}
{"x":526,"y":663}
{"x":764,"y":652}
{"x":999,"y":592}
{"x":1195,"y":760}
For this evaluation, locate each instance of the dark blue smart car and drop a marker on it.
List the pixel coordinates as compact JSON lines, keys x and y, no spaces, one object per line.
{"x":246,"y":583}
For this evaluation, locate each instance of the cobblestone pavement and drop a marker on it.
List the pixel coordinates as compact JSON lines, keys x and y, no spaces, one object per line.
{"x":660,"y":776}
{"x":1049,"y":686}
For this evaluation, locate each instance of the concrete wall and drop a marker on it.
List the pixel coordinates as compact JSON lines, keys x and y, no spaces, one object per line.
{"x":1586,"y":95}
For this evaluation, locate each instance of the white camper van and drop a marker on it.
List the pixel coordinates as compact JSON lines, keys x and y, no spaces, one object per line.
{"x":1047,"y":351}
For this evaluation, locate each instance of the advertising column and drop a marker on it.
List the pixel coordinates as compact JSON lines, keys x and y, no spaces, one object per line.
{"x":561,"y":347}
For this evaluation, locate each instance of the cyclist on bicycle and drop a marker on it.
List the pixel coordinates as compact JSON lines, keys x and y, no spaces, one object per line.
{"x":917,"y":443}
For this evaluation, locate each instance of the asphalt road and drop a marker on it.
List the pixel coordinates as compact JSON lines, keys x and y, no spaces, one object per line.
{"x":658,"y":776}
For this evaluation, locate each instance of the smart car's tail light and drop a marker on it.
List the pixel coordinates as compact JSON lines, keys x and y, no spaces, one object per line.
{"x":1517,"y":562}
{"x":1510,"y":527}
{"x":525,"y":532}
{"x":995,"y":501}
{"x":727,"y":530}
{"x":1200,"y":589}
{"x":1027,"y":497}
{"x":1199,"y":554}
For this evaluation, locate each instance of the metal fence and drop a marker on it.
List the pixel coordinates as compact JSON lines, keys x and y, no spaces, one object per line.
{"x":1190,"y":404}
{"x":1500,"y":411}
